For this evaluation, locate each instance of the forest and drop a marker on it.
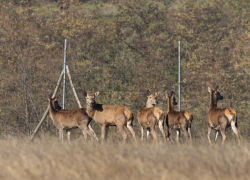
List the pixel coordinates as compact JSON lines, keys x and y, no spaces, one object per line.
{"x":122,"y":48}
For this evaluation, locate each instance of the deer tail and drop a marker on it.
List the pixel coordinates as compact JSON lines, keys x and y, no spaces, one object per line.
{"x":235,"y":118}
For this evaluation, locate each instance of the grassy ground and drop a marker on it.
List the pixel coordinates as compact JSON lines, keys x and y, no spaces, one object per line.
{"x":49,"y":159}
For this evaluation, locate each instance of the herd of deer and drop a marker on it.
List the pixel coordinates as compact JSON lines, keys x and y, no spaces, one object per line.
{"x":148,"y":117}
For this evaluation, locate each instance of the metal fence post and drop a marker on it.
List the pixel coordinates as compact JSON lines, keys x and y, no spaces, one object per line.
{"x":179,"y":75}
{"x":64,"y":78}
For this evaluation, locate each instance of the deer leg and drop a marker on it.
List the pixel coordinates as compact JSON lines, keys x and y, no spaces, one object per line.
{"x":122,"y":131}
{"x":103,"y":128}
{"x":177,"y":136}
{"x":185,"y":134}
{"x":169,"y":132}
{"x":162,"y":130}
{"x":84,"y":135}
{"x":152,"y":129}
{"x":189,"y":131}
{"x":68,"y":135}
{"x":216,"y":135}
{"x":148,"y":131}
{"x":60,"y":134}
{"x":91,"y":129}
{"x":235,"y":130}
{"x":88,"y":132}
{"x":141,"y":133}
{"x":223,"y":133}
{"x":129,"y":126}
{"x":208,"y":134}
{"x":106,"y":133}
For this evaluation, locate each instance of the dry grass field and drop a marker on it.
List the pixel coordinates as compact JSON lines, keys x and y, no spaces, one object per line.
{"x":49,"y":159}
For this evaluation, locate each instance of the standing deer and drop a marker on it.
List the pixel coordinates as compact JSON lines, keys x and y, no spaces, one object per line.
{"x":220,"y":118}
{"x":109,"y":115}
{"x":150,"y":115}
{"x":68,"y":119}
{"x":58,"y":107}
{"x":178,"y":120}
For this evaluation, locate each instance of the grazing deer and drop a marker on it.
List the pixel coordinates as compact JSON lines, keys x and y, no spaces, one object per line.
{"x":178,"y":120}
{"x":220,"y":118}
{"x":150,"y":115}
{"x":109,"y":115}
{"x":68,"y":119}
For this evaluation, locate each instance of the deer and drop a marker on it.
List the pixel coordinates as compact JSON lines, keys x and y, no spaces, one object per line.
{"x":109,"y":115}
{"x":58,"y":107}
{"x":150,"y":115}
{"x":69,"y":119}
{"x":178,"y":120}
{"x":220,"y":118}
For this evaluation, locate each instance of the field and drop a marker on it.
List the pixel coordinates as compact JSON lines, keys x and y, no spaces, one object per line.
{"x":49,"y":159}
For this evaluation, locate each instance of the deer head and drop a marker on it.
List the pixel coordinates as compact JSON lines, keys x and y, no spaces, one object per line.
{"x":152,"y":99}
{"x":171,"y":98}
{"x":90,"y":98}
{"x":215,"y":94}
{"x":55,"y":103}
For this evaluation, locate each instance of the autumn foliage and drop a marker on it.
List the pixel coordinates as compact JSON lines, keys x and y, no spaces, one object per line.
{"x":123,"y":48}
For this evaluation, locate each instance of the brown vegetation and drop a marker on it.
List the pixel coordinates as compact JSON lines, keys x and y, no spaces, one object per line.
{"x":49,"y":159}
{"x":122,"y":48}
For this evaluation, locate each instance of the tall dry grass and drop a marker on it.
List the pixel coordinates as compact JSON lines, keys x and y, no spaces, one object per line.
{"x":49,"y":159}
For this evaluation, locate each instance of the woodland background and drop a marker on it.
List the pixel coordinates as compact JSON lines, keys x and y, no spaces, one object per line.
{"x":122,"y":48}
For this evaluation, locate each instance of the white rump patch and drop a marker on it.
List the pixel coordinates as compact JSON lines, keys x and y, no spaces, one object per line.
{"x":230,"y":117}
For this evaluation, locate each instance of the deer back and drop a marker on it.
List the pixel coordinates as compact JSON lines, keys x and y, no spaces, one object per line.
{"x":110,"y":113}
{"x":144,"y":114}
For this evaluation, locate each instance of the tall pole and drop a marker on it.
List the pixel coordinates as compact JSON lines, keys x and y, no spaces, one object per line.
{"x":64,"y":78}
{"x":179,"y":75}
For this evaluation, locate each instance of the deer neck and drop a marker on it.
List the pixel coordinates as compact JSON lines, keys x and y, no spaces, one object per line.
{"x":213,"y":102}
{"x":90,"y":110}
{"x":170,"y":105}
{"x":52,"y":110}
{"x":149,"y":105}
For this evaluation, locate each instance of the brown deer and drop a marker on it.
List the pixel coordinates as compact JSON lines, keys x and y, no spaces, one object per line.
{"x":109,"y":115}
{"x":220,"y":118}
{"x":68,"y":119}
{"x":178,"y":120}
{"x":58,"y":107}
{"x":150,"y":115}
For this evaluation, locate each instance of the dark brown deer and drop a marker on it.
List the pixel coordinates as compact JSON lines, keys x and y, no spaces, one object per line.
{"x":220,"y":118}
{"x":109,"y":115}
{"x":150,"y":115}
{"x":68,"y":119}
{"x":178,"y":120}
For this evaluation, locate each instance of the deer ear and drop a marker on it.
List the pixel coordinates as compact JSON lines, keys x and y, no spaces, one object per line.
{"x":148,"y":93}
{"x":209,"y":89}
{"x":84,"y":94}
{"x":166,"y":93}
{"x":97,"y":93}
{"x":157,"y":94}
{"x":172,"y":93}
{"x":56,"y":97}
{"x":217,"y":87}
{"x":48,"y":97}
